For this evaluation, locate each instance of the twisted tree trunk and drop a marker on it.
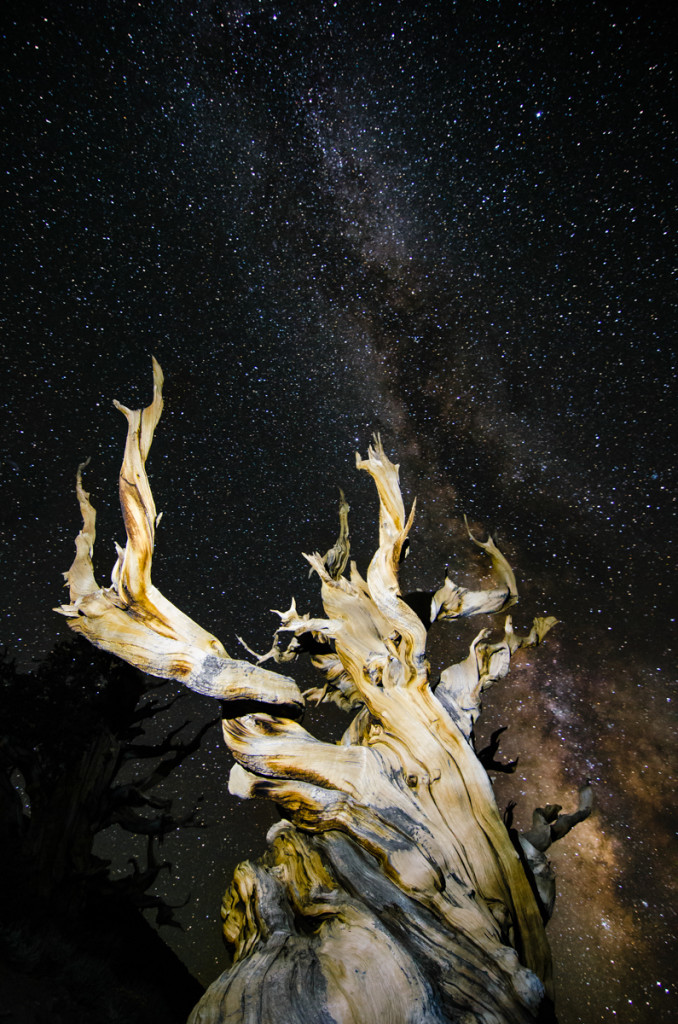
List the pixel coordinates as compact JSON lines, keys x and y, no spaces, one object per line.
{"x":392,"y":891}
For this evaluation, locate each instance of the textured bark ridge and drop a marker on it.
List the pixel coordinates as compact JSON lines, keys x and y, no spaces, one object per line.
{"x":392,"y":891}
{"x":131,"y":618}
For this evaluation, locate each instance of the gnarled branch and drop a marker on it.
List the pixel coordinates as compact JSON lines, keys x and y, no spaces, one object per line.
{"x":131,"y":618}
{"x":393,"y":849}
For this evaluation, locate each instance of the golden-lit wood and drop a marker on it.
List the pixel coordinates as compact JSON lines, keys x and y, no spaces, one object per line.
{"x":131,"y":618}
{"x":393,"y":891}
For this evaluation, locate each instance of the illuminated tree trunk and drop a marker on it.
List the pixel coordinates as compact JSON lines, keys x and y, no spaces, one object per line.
{"x":392,"y":891}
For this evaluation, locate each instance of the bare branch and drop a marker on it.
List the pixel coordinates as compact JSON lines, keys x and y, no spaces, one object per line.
{"x":392,"y":840}
{"x":159,"y":826}
{"x":461,"y":686}
{"x":549,"y":825}
{"x":132,"y":618}
{"x":336,"y":559}
{"x":152,"y":708}
{"x":179,"y":752}
{"x":487,"y":756}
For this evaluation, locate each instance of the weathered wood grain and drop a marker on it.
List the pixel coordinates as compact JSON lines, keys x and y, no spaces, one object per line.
{"x":392,"y":892}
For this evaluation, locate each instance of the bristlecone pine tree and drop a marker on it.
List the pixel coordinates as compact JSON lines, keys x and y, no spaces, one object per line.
{"x":392,"y":892}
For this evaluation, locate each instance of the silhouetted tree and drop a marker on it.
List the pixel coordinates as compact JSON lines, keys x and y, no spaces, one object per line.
{"x":73,"y":761}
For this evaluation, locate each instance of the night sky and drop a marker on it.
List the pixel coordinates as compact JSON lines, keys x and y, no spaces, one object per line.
{"x":449,"y":222}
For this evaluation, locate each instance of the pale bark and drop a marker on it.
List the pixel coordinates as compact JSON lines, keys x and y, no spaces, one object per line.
{"x":131,"y":618}
{"x":393,"y":891}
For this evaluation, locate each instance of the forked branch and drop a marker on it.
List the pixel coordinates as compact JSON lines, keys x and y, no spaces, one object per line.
{"x":131,"y":618}
{"x":393,"y":846}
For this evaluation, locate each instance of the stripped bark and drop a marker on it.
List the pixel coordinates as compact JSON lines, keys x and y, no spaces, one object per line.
{"x":392,"y":891}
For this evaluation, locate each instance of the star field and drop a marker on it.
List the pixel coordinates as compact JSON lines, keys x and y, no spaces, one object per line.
{"x":450,"y":222}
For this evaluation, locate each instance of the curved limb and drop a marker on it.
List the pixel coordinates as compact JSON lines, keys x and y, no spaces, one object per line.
{"x":487,"y":756}
{"x":403,"y":794}
{"x":454,"y":602}
{"x":131,"y":618}
{"x":461,"y":686}
{"x":549,"y":825}
{"x":336,"y":558}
